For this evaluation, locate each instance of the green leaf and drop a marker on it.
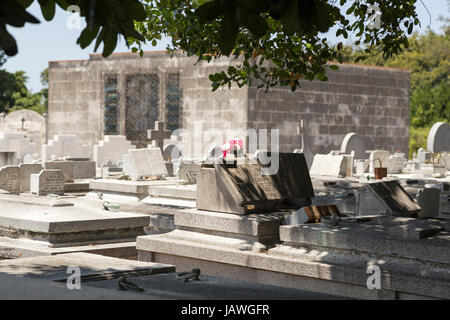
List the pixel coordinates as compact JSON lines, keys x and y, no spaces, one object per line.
{"x":17,"y":16}
{"x":127,"y":29}
{"x":110,"y":41}
{"x":410,"y":28}
{"x":135,"y":10}
{"x":7,"y":42}
{"x":291,"y":22}
{"x":25,"y":3}
{"x":210,"y":11}
{"x":99,"y":39}
{"x":116,"y":7}
{"x":255,"y":24}
{"x":87,"y":36}
{"x":278,"y":8}
{"x":334,"y":67}
{"x":228,"y":33}
{"x":324,"y":21}
{"x":47,"y":8}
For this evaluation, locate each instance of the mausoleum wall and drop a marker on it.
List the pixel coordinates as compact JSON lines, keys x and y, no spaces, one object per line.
{"x":371,"y":101}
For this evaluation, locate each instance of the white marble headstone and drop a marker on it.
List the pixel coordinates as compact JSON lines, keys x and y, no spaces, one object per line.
{"x":147,"y":162}
{"x":397,"y":162}
{"x":48,"y":181}
{"x":18,"y":143}
{"x":378,"y":159}
{"x":329,"y":165}
{"x":423,"y":155}
{"x":111,"y":148}
{"x":214,"y":151}
{"x":66,"y":145}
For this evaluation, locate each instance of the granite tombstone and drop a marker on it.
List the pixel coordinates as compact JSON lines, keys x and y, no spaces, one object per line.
{"x":9,"y":179}
{"x":354,"y":142}
{"x":48,"y":181}
{"x":25,"y":172}
{"x":395,"y":199}
{"x":242,"y":188}
{"x":439,"y":137}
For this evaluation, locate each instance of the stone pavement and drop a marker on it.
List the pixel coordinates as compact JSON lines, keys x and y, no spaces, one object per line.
{"x":46,"y":278}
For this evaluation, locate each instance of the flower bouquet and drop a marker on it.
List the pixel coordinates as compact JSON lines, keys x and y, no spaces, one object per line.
{"x":234,"y":147}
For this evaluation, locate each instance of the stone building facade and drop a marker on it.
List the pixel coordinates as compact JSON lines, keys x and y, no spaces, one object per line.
{"x":125,"y":94}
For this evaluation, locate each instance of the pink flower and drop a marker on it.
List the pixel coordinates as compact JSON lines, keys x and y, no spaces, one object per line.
{"x":232,"y":145}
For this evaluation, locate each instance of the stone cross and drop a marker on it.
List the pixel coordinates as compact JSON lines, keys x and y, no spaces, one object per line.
{"x":158,"y":135}
{"x":301,"y":131}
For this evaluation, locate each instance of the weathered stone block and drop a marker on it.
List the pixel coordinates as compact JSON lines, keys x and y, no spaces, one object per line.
{"x":47,"y":182}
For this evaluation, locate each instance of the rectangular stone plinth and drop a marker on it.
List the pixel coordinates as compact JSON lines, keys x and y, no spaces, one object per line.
{"x":186,"y":192}
{"x":30,"y":229}
{"x":340,"y":273}
{"x":76,"y":186}
{"x":399,"y":237}
{"x":93,"y":267}
{"x":11,"y":248}
{"x":257,"y":225}
{"x":137,"y":189}
{"x":31,"y":199}
{"x":66,"y":219}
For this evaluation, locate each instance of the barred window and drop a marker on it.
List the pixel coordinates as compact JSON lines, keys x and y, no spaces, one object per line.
{"x":142,"y":98}
{"x":173,"y":102}
{"x":111,"y":113}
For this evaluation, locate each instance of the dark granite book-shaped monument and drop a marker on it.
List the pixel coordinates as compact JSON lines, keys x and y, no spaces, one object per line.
{"x":394,"y":198}
{"x":242,"y":188}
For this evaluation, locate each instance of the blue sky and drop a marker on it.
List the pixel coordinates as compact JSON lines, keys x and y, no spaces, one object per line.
{"x":53,"y":40}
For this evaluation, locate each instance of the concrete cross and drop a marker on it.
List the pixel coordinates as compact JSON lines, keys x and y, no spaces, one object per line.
{"x":301,"y":133}
{"x":158,"y":135}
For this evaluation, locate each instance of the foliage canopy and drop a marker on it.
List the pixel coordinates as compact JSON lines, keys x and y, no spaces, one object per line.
{"x":105,"y":19}
{"x":276,"y":41}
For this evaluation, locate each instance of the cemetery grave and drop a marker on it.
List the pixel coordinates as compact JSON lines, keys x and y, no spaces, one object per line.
{"x":314,"y":225}
{"x":38,"y":225}
{"x":240,"y":227}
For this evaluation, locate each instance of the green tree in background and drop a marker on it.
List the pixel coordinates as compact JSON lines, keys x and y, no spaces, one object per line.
{"x":14,"y":94}
{"x":12,"y":87}
{"x":427,"y":57}
{"x":44,"y":91}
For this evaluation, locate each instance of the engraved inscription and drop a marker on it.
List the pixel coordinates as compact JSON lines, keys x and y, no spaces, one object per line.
{"x":291,"y":180}
{"x":9,"y":179}
{"x":51,"y":182}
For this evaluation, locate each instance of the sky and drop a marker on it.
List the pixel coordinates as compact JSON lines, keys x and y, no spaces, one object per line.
{"x":56,"y":40}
